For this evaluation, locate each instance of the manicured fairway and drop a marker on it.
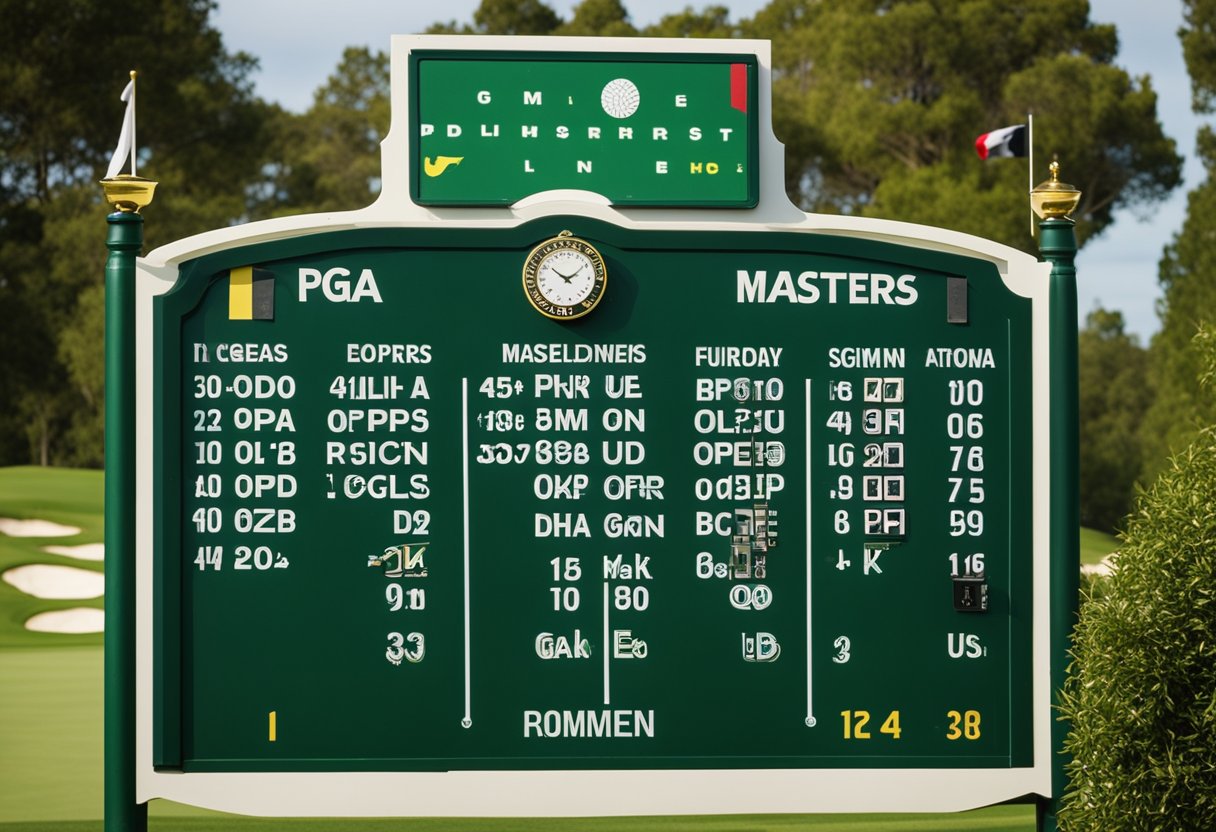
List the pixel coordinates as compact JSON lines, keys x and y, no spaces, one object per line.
{"x":64,"y":496}
{"x":1097,"y":545}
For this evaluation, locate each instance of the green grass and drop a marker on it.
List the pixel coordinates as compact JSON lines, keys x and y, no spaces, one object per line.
{"x":1096,"y":545}
{"x":996,"y":819}
{"x":50,"y":730}
{"x":51,"y":719}
{"x":65,"y":496}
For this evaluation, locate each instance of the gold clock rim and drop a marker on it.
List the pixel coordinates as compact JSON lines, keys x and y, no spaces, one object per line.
{"x":590,"y":250}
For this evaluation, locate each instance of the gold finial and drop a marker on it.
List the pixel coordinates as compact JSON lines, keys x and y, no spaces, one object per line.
{"x":127,"y":193}
{"x":1054,"y":199}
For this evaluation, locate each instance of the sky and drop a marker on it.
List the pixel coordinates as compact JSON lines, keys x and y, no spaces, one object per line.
{"x":1117,"y":271}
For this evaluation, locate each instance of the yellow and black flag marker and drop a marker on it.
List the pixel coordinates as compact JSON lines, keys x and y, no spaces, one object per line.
{"x":250,"y":294}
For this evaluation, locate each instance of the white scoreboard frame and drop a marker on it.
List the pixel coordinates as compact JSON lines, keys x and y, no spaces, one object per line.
{"x":599,"y":792}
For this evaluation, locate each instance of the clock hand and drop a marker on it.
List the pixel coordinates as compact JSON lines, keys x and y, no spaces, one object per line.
{"x":568,"y":277}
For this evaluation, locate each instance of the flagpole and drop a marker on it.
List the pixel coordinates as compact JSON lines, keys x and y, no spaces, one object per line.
{"x":127,"y":194}
{"x":1029,"y":170}
{"x":133,"y":144}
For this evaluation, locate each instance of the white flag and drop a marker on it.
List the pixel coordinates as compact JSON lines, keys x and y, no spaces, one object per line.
{"x":126,"y":139}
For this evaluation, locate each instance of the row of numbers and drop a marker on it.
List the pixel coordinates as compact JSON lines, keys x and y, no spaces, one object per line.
{"x":964,"y":725}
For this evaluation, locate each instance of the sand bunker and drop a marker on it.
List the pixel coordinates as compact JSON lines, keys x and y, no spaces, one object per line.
{"x":77,"y":620}
{"x":56,"y":582}
{"x":35,"y":528}
{"x":1104,"y":567}
{"x":85,"y":551}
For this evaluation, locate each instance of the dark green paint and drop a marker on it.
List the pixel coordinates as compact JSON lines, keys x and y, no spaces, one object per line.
{"x":124,"y":240}
{"x":309,"y":641}
{"x":500,"y":164}
{"x":1058,"y":242}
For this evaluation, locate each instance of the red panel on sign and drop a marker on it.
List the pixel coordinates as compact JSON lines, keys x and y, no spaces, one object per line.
{"x":738,"y":87}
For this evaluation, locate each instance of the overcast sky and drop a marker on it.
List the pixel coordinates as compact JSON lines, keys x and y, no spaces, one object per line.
{"x":300,"y":43}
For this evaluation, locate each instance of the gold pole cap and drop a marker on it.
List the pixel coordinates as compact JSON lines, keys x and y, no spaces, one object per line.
{"x":128,"y":193}
{"x":1054,"y":199}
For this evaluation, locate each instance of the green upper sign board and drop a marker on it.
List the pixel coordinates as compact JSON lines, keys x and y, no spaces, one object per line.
{"x":661,"y":131}
{"x":564,"y":509}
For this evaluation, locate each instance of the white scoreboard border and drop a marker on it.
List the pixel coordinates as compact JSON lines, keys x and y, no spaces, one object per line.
{"x":600,"y":792}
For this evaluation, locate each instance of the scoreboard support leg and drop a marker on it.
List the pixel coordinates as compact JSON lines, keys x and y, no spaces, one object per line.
{"x":1058,"y":243}
{"x":122,"y":813}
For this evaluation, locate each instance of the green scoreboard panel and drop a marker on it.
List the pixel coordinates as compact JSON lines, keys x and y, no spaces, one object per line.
{"x":660,"y":129}
{"x":767,"y":506}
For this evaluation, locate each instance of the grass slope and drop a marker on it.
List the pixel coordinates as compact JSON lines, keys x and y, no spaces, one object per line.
{"x":50,"y":733}
{"x":1096,"y":545}
{"x":69,"y":497}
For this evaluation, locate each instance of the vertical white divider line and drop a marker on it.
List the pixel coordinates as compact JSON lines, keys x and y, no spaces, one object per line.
{"x":464,"y":442}
{"x":607,"y":650}
{"x":810,"y":699}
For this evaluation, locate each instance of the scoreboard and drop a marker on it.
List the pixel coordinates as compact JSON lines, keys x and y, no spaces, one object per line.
{"x":741,"y":514}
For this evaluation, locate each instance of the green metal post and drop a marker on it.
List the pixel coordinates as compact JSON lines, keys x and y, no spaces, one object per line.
{"x":1058,"y":243}
{"x":122,"y":812}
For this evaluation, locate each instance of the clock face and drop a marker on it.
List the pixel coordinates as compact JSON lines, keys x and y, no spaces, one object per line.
{"x":564,"y":277}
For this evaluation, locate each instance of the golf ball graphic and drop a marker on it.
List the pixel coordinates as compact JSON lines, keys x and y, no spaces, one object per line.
{"x":620,"y":98}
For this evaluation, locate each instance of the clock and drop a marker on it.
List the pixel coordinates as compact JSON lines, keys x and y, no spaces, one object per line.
{"x":564,"y":277}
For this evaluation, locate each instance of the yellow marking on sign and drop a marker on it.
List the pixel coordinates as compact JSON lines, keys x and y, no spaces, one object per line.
{"x":274,"y":732}
{"x":440,"y":164}
{"x":240,"y":294}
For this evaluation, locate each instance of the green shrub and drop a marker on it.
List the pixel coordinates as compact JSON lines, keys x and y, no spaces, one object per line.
{"x":1141,"y":695}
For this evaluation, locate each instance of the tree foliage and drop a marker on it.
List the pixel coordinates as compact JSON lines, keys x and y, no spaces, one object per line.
{"x":202,"y":134}
{"x":602,"y":18}
{"x":505,"y":17}
{"x":709,"y":22}
{"x":1140,"y":694}
{"x":1199,"y":51}
{"x":879,"y":103}
{"x":1114,"y":394}
{"x":328,"y":159}
{"x":1187,"y":271}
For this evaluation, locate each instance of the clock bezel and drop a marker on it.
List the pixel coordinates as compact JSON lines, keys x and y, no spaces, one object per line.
{"x":565,"y":241}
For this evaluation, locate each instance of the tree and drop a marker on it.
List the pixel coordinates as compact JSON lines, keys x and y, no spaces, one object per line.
{"x":201,"y":134}
{"x":603,"y":18}
{"x":1114,"y":395}
{"x":328,"y":159}
{"x":1187,"y":271}
{"x":710,"y":22}
{"x":879,"y":103}
{"x":505,"y":17}
{"x":1199,"y":51}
